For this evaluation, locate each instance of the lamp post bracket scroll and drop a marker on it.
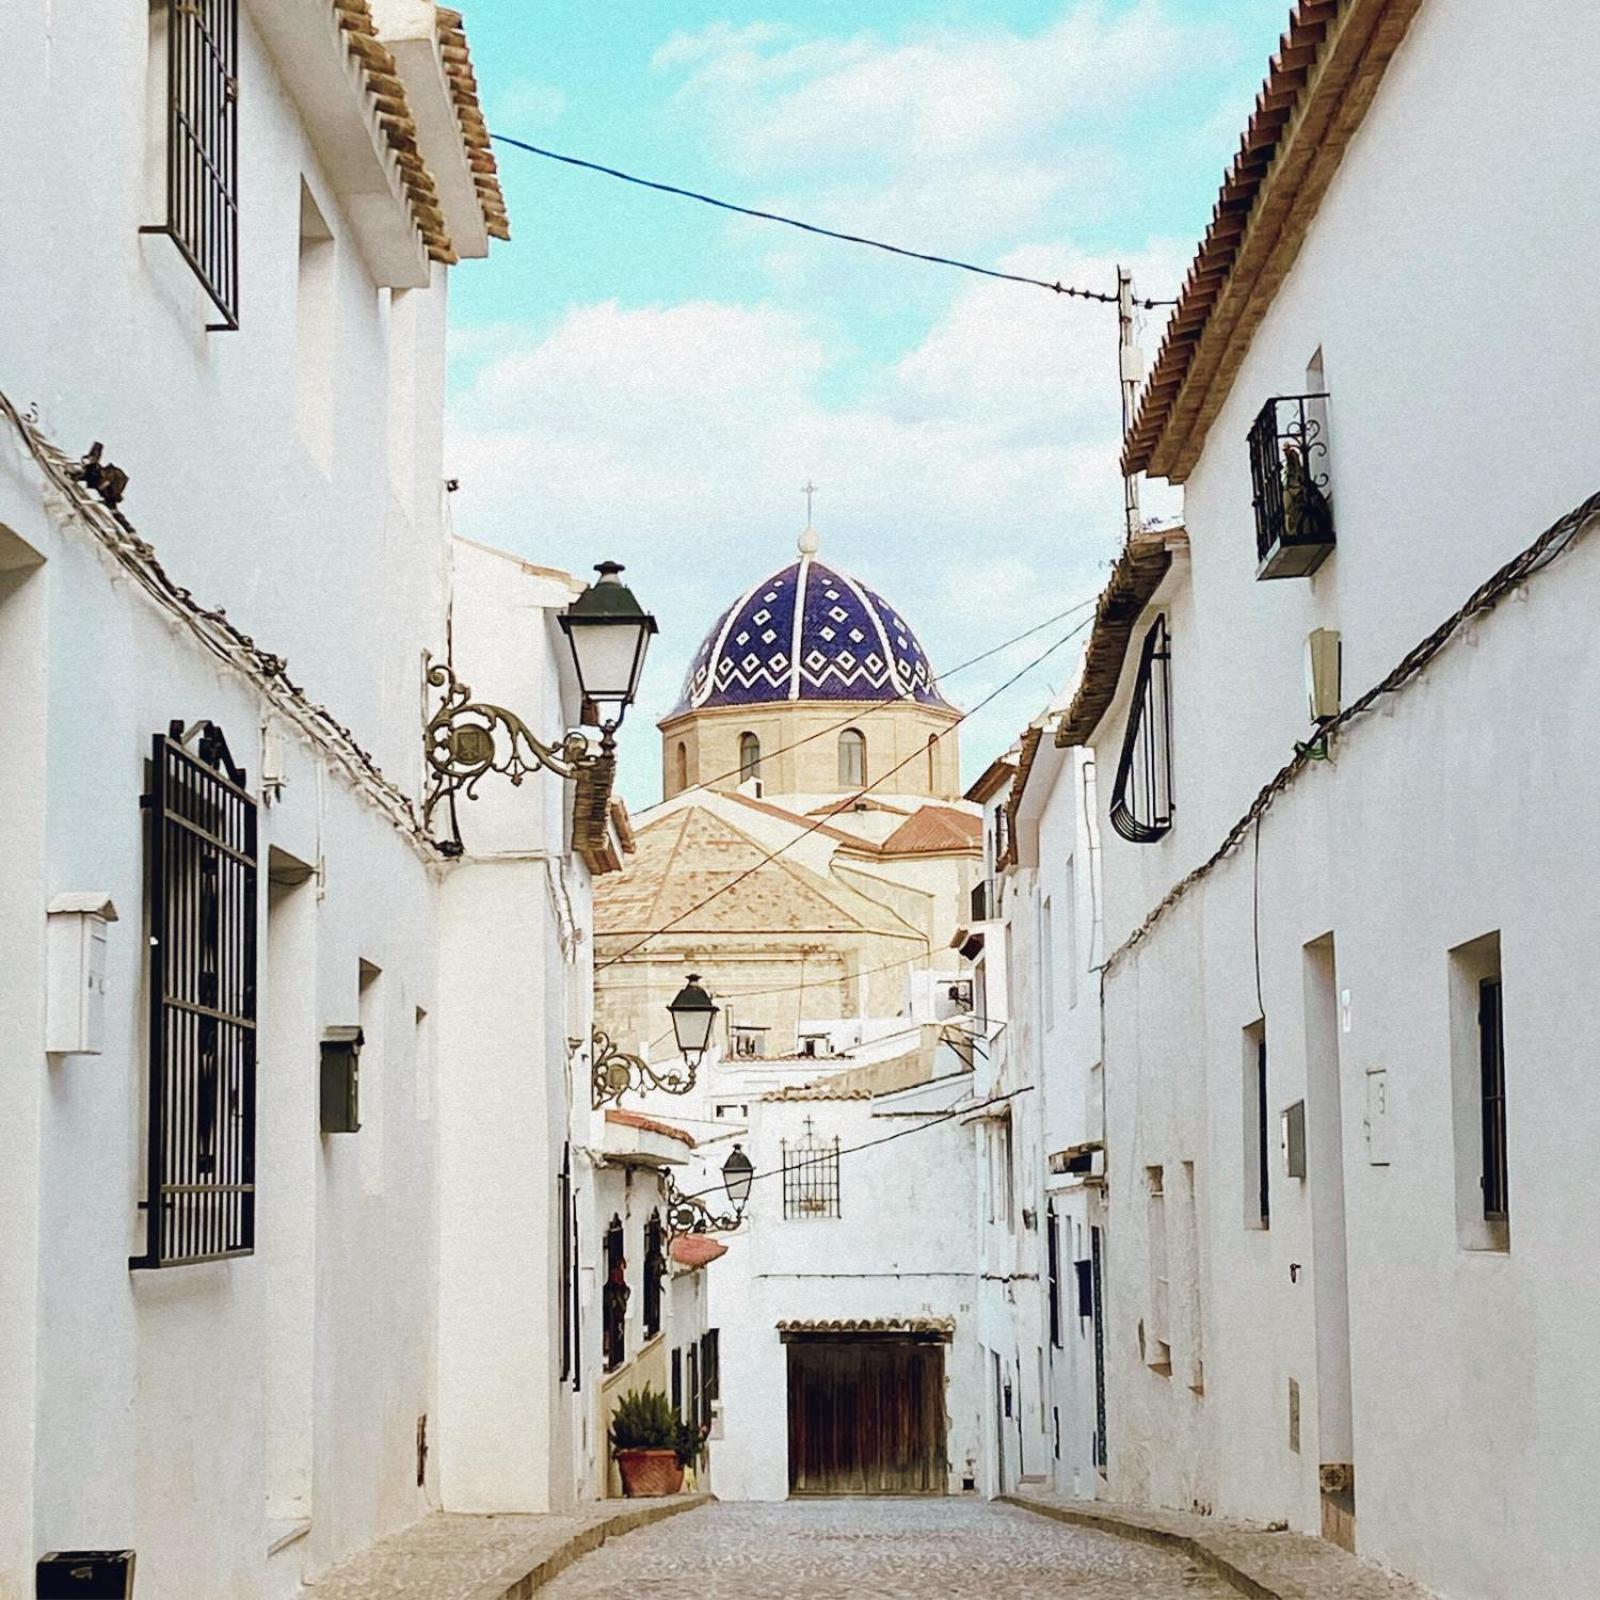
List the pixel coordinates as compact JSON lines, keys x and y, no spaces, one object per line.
{"x":608,"y":633}
{"x":689,"y":1213}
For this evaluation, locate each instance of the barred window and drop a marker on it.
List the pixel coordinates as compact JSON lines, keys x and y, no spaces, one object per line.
{"x":655,"y":1272}
{"x":811,"y":1176}
{"x":1141,"y":799}
{"x":200,"y":1168}
{"x":201,"y":70}
{"x":614,"y":1297}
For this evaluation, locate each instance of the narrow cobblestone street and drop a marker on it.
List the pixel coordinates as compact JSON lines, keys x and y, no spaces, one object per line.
{"x":832,"y":1549}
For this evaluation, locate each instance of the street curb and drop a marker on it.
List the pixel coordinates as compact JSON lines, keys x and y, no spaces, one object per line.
{"x":521,"y":1584}
{"x":1261,"y":1564}
{"x":1125,"y":1526}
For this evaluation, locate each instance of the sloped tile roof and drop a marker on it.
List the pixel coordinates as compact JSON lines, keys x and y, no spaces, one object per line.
{"x":637,"y":1119}
{"x":935,"y":830}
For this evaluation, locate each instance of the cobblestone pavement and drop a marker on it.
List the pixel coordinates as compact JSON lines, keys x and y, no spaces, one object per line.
{"x":834,"y":1549}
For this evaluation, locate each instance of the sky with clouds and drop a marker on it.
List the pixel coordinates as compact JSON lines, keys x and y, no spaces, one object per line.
{"x":645,"y":379}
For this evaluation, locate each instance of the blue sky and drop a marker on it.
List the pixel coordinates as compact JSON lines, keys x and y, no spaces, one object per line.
{"x":638,"y":377}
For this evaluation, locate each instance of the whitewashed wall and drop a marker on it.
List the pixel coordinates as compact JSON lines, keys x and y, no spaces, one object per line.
{"x":1462,"y":415}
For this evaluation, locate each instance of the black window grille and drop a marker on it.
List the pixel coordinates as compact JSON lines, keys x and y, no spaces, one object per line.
{"x":677,"y":1384}
{"x":1141,"y":798}
{"x":1289,"y":485}
{"x":202,"y":138}
{"x":1096,"y":1259}
{"x":810,"y":1176}
{"x":710,"y":1373}
{"x":692,"y":1384}
{"x":655,"y":1272}
{"x":1492,"y":1060}
{"x":1052,"y":1241}
{"x":574,"y":1300}
{"x":614,"y":1297}
{"x":200,"y":1165}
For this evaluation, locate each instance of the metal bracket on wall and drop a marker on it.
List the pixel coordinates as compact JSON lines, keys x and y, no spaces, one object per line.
{"x":688,"y":1213}
{"x":613,"y":1072}
{"x":467,"y":739}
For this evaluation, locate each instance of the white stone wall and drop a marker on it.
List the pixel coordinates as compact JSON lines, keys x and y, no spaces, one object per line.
{"x":200,"y":1414}
{"x":1461,"y":424}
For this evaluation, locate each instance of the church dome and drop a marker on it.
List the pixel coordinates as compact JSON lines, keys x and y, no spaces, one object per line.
{"x":808,"y":632}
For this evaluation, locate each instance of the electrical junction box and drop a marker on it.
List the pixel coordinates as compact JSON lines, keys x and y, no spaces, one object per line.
{"x":75,"y":956}
{"x":1324,"y":671}
{"x":84,"y":1575}
{"x":341,"y":1080}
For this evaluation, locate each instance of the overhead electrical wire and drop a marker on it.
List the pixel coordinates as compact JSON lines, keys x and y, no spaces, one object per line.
{"x":771,"y":856}
{"x":810,"y":227}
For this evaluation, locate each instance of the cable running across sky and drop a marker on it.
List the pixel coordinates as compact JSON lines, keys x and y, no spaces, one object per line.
{"x":827,"y":233}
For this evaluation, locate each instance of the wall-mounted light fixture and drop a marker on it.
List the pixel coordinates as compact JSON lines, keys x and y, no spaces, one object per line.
{"x":689,"y":1213}
{"x":613,"y":1072}
{"x":608,"y":633}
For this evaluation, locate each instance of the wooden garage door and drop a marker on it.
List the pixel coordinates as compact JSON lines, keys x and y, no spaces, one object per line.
{"x":866,"y":1416}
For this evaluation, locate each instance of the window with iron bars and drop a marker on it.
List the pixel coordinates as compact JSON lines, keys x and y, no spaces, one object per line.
{"x":1141,"y":798}
{"x":1289,"y":485}
{"x":655,"y":1272}
{"x":202,"y":144}
{"x":199,"y":1200}
{"x":614,"y":1298}
{"x":810,"y":1176}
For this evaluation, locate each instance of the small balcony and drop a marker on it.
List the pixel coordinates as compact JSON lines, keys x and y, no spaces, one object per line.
{"x":1289,"y":486}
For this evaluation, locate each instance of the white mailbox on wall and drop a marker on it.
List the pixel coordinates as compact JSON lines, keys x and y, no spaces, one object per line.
{"x":75,"y":949}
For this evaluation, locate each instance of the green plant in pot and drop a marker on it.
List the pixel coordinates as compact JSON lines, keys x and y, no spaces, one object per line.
{"x":648,"y":1442}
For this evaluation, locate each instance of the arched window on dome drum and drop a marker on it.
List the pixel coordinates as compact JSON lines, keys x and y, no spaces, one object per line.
{"x":933,"y":763}
{"x":749,"y":757}
{"x":852,"y":759}
{"x":683,"y":766}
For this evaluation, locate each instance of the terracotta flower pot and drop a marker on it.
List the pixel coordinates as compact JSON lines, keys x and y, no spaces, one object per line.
{"x":646,"y":1473}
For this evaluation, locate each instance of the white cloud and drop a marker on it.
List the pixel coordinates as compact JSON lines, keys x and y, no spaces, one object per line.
{"x":975,"y":481}
{"x":524,"y":104}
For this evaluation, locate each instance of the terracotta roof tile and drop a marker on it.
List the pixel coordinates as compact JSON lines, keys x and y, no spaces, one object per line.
{"x":693,"y":1250}
{"x":637,"y":1119}
{"x":935,"y":830}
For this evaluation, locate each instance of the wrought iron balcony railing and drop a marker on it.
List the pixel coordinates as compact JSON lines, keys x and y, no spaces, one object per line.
{"x":1289,"y":485}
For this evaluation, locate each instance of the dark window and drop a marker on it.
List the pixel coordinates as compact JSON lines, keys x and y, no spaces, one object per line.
{"x":749,"y":757}
{"x":615,"y":1296}
{"x":677,"y":1384}
{"x":564,"y":1201}
{"x":710,"y":1372}
{"x":202,"y":145}
{"x":1492,"y":1059}
{"x":1052,"y":1240}
{"x":200,"y":1168}
{"x":1289,"y":485}
{"x":691,"y":1397}
{"x":1141,"y":799}
{"x":1263,"y":1154}
{"x":655,"y":1272}
{"x":810,"y":1176}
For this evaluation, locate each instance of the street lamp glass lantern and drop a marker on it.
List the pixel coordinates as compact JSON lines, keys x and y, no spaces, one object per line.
{"x":693,"y":1012}
{"x":608,"y":632}
{"x":738,"y":1173}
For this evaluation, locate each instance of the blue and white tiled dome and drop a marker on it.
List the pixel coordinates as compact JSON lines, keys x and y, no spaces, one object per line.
{"x":808,"y":632}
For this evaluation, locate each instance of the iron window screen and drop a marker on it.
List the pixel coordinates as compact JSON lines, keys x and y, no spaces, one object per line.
{"x":810,"y":1176}
{"x":655,"y":1272}
{"x":200,"y":1169}
{"x":614,"y":1298}
{"x":1492,"y":1064}
{"x":202,"y":137}
{"x":1289,"y":484}
{"x":1141,"y":798}
{"x":710,"y":1373}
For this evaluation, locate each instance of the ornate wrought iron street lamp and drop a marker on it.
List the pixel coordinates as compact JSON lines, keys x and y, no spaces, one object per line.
{"x":608,"y":633}
{"x":613,"y":1072}
{"x":693,"y":1013}
{"x":689,"y":1213}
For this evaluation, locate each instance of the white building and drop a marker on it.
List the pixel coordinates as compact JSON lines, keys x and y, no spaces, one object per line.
{"x":1347,"y":981}
{"x":217,"y":868}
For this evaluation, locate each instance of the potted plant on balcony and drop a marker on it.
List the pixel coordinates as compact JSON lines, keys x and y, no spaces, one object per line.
{"x":647,"y":1440}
